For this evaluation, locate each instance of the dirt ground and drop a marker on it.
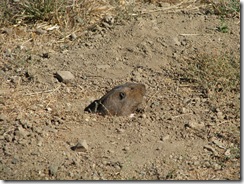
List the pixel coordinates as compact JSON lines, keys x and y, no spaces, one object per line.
{"x":178,"y":133}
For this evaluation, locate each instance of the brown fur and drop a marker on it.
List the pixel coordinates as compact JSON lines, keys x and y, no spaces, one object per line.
{"x":121,"y":100}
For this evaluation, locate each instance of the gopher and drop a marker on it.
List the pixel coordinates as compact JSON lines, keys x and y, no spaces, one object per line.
{"x":121,"y":100}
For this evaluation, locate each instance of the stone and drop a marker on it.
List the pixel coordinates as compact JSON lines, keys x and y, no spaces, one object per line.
{"x":8,"y":138}
{"x":227,"y":153}
{"x":120,"y":130}
{"x":21,"y":133}
{"x":210,"y":148}
{"x":40,"y":31}
{"x":64,"y":76}
{"x":219,"y":144}
{"x":72,"y":36}
{"x":81,"y":146}
{"x":195,"y":125}
{"x":176,"y":41}
{"x":165,"y":138}
{"x":103,"y":67}
{"x":53,"y":169}
{"x":2,"y":117}
{"x":109,"y":19}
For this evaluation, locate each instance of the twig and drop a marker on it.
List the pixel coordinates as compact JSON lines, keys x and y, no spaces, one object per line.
{"x":193,"y":34}
{"x":181,"y":115}
{"x":39,"y":92}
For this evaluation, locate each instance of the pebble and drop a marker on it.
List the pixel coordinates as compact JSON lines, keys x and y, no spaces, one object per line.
{"x":120,"y":130}
{"x":103,"y":67}
{"x":45,"y":55}
{"x":72,"y":36}
{"x":220,"y":115}
{"x":64,"y":76}
{"x":210,"y":148}
{"x":126,"y":149}
{"x":176,"y":41}
{"x":144,"y":116}
{"x":219,"y":144}
{"x":163,"y":4}
{"x":2,"y":117}
{"x":81,"y":146}
{"x":165,"y":138}
{"x":53,"y":169}
{"x":227,"y":152}
{"x":217,"y":166}
{"x":14,"y":160}
{"x":40,"y":31}
{"x":38,"y":130}
{"x":20,"y":132}
{"x":195,"y":125}
{"x":39,"y":141}
{"x":183,"y":110}
{"x":8,"y":138}
{"x":7,"y":150}
{"x":109,"y":19}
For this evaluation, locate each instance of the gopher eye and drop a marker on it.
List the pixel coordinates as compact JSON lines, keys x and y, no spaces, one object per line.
{"x":122,"y":95}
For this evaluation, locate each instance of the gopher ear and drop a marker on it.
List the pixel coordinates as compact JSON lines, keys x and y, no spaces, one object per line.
{"x":122,"y":95}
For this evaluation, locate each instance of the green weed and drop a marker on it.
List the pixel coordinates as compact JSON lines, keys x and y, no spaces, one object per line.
{"x":223,"y":28}
{"x":225,"y":8}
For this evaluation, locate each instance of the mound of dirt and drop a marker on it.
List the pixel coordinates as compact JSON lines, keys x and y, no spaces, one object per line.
{"x":177,"y":133}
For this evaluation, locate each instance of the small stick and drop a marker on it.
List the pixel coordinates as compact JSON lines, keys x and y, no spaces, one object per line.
{"x":193,"y":34}
{"x":181,"y":115}
{"x":39,"y":92}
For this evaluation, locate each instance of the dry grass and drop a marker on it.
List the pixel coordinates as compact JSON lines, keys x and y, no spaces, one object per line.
{"x":217,"y":77}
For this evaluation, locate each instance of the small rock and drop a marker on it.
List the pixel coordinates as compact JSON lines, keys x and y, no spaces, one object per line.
{"x":183,"y":110}
{"x":126,"y":149}
{"x":219,"y":144}
{"x":109,"y":19}
{"x":210,"y":148}
{"x":196,"y":163}
{"x":6,"y":31}
{"x":120,"y":130}
{"x":72,"y":36}
{"x":103,"y":67}
{"x":165,"y":138}
{"x":14,"y":160}
{"x":40,"y":31}
{"x":28,"y":124}
{"x":20,"y":132}
{"x":45,"y":55}
{"x":48,"y":109}
{"x":163,"y":4}
{"x":195,"y":125}
{"x":15,"y":79}
{"x":176,"y":41}
{"x":38,"y":130}
{"x":175,"y":56}
{"x":7,"y":150}
{"x":8,"y":138}
{"x":144,"y":116}
{"x":39,"y":141}
{"x":2,"y":117}
{"x":220,"y":115}
{"x":53,"y":169}
{"x":217,"y":166}
{"x":64,"y":76}
{"x":227,"y":152}
{"x":81,"y":146}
